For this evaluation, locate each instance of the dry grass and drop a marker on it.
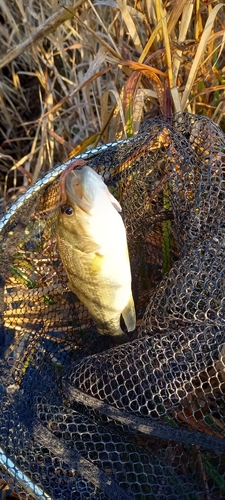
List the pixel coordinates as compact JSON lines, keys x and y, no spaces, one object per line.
{"x":82,"y":73}
{"x":94,"y":70}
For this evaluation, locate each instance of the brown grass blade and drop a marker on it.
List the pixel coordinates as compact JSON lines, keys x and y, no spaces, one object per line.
{"x":199,"y":54}
{"x":130,"y":91}
{"x":132,"y":30}
{"x":177,"y":10}
{"x":42,"y":31}
{"x":184,"y":26}
{"x":149,"y":71}
{"x":149,"y":43}
{"x":207,"y":91}
{"x":152,"y":74}
{"x":167,"y":47}
{"x":138,"y":105}
{"x":80,"y":87}
{"x":83,"y":145}
{"x":103,"y":25}
{"x":120,"y":109}
{"x":102,"y":41}
{"x":62,"y":141}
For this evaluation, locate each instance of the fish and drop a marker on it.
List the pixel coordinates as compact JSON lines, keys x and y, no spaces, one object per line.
{"x":92,"y":243}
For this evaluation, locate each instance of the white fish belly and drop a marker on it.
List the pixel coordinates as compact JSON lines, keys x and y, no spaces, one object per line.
{"x":102,"y":283}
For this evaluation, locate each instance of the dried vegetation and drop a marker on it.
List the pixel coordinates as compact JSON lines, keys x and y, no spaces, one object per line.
{"x":82,"y":73}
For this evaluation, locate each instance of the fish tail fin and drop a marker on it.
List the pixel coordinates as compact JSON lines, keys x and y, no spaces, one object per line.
{"x":129,"y":314}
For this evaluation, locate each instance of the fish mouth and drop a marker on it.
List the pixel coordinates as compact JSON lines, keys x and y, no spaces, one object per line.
{"x":75,"y":190}
{"x":87,"y":189}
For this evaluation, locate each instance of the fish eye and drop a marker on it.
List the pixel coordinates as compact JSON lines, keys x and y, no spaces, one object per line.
{"x":67,"y":209}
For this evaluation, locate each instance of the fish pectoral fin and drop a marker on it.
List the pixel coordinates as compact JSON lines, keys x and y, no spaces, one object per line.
{"x":129,"y":315}
{"x":91,"y":247}
{"x":114,"y":202}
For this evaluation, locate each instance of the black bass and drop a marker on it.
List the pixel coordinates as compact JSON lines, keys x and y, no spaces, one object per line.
{"x":93,"y":247}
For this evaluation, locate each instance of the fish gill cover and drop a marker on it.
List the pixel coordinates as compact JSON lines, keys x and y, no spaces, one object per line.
{"x":81,"y":418}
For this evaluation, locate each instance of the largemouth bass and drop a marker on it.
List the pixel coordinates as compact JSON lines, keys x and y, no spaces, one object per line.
{"x":93,"y":247}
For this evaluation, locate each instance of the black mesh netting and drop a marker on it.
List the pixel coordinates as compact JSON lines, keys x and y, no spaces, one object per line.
{"x":81,"y":418}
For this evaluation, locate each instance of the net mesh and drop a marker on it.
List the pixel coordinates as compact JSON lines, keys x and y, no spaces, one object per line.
{"x":81,"y":418}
